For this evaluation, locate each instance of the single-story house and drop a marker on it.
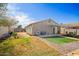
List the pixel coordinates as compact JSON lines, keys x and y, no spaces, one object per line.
{"x":44,"y":27}
{"x":72,"y":28}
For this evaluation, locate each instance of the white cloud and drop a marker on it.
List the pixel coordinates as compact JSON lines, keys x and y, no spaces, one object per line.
{"x":24,"y":19}
{"x":21,"y":16}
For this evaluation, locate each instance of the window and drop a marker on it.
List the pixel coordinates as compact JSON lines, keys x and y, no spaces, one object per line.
{"x":42,"y":33}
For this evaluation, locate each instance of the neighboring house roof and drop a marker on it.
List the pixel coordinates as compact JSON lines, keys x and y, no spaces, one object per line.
{"x":71,"y":25}
{"x":46,"y":20}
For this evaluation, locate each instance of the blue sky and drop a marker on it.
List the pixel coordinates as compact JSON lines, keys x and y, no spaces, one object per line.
{"x":61,"y":13}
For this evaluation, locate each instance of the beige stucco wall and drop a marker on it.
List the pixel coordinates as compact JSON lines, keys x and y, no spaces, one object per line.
{"x":64,"y":30}
{"x":3,"y":30}
{"x":77,"y":31}
{"x":29,"y":29}
{"x":56,"y":30}
{"x":42,"y":28}
{"x":70,"y":30}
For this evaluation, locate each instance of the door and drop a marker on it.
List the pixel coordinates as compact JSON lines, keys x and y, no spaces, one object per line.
{"x":53,"y":30}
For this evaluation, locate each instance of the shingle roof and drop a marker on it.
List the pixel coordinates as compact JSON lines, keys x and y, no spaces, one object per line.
{"x":49,"y":19}
{"x":71,"y":25}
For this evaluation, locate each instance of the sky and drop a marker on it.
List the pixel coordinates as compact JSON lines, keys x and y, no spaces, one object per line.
{"x":27,"y":13}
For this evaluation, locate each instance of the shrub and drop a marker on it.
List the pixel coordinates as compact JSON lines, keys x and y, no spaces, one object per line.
{"x":14,"y":34}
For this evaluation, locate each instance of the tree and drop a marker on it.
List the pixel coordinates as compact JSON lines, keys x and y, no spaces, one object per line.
{"x":3,"y":9}
{"x":6,"y":20}
{"x":19,"y":26}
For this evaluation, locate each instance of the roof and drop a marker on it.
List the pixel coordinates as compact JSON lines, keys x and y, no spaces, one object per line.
{"x":71,"y":25}
{"x":49,"y":19}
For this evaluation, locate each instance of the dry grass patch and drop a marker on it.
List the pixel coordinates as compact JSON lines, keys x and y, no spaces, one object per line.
{"x":26,"y":47}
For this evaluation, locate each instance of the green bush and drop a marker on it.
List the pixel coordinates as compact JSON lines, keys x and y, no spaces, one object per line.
{"x":14,"y":34}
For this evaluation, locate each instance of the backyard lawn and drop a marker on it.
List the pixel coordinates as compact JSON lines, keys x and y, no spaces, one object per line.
{"x":26,"y":46}
{"x":60,"y":40}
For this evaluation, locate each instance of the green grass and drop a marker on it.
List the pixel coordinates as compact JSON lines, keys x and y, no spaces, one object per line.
{"x":60,"y":40}
{"x":8,"y":45}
